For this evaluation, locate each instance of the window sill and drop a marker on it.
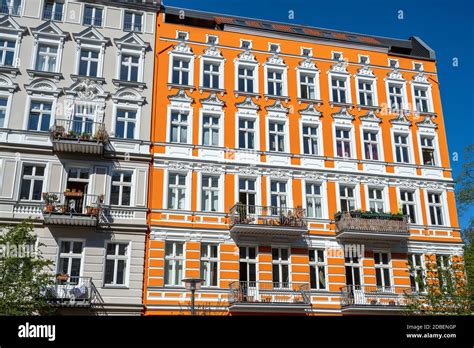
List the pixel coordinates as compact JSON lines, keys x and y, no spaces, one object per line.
{"x":99,"y":80}
{"x":178,"y":86}
{"x":425,"y":113}
{"x":277,"y":97}
{"x":9,"y":70}
{"x":368,"y":107}
{"x":246,"y":94}
{"x":48,"y":74}
{"x":109,"y":286}
{"x":336,"y":104}
{"x":211,"y":90}
{"x":319,"y":102}
{"x":125,"y":83}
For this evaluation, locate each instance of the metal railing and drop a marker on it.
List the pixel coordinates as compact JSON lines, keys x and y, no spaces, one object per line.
{"x":14,"y":9}
{"x":130,"y":26}
{"x":70,"y":291}
{"x":267,"y":215}
{"x":268,"y":292}
{"x":49,"y":14}
{"x":352,"y":221}
{"x":93,"y":20}
{"x":372,"y":295}
{"x":78,"y":129}
{"x":71,"y":203}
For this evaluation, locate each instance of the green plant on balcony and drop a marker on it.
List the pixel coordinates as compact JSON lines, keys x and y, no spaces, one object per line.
{"x":361,"y":214}
{"x":57,"y":132}
{"x":50,"y":200}
{"x":101,"y":134}
{"x":85,"y":136}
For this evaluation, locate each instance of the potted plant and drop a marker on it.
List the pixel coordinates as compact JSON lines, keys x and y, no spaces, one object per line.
{"x":85,"y":136}
{"x":101,"y":134}
{"x":89,"y":210}
{"x":50,"y":199}
{"x":62,"y":276}
{"x":95,"y":211}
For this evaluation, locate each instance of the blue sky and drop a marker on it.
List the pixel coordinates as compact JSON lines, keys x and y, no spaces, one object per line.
{"x":446,"y":26}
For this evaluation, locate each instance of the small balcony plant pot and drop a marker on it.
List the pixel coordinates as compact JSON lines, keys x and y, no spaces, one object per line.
{"x":94,"y":211}
{"x":89,"y":211}
{"x":49,"y":208}
{"x":62,"y":277}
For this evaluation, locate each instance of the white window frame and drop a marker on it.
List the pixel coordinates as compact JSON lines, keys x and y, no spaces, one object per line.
{"x":94,"y":15}
{"x":134,"y":13}
{"x":187,"y":57}
{"x":8,"y":96}
{"x":40,"y":40}
{"x":127,"y":107}
{"x":187,"y":190}
{"x":32,"y":179}
{"x":210,"y":260}
{"x":435,"y":147}
{"x":416,"y":269}
{"x":173,"y":260}
{"x":16,"y":38}
{"x":429,"y":97}
{"x":289,"y":193}
{"x":286,"y":141}
{"x":347,"y":87}
{"x":356,"y":188}
{"x":282,"y":284}
{"x":255,"y":78}
{"x":100,"y":59}
{"x":409,"y":145}
{"x":189,"y":133}
{"x":373,"y":82}
{"x":323,"y":197}
{"x":443,"y":205}
{"x":284,"y":79}
{"x":378,"y":134}
{"x":317,"y":265}
{"x":350,"y":129}
{"x":38,"y":98}
{"x":399,"y":83}
{"x":415,"y":204}
{"x":385,"y":200}
{"x":220,"y":72}
{"x":256,"y":132}
{"x":70,"y":255}
{"x":121,"y":184}
{"x":315,"y":74}
{"x":257,"y":191}
{"x":382,"y":266}
{"x":116,"y":258}
{"x":139,"y":65}
{"x":219,"y":191}
{"x":220,"y":127}
{"x":53,"y":12}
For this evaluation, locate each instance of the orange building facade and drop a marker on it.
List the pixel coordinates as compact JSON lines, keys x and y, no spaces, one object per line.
{"x":270,"y":145}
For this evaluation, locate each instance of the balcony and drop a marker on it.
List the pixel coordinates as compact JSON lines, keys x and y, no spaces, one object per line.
{"x":261,"y":221}
{"x":261,"y":296}
{"x":71,"y":208}
{"x":79,"y":136}
{"x":70,"y":292}
{"x":371,"y":226}
{"x":361,"y":299}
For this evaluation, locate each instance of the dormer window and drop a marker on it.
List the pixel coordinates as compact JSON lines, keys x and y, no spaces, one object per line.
{"x":182,"y":35}
{"x":274,"y":48}
{"x":364,"y":59}
{"x":337,"y":56}
{"x":53,"y":10}
{"x":307,"y":52}
{"x":246,"y":44}
{"x":212,"y":39}
{"x":393,"y":63}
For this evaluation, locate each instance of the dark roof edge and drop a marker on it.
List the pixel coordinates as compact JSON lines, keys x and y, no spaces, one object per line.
{"x":419,"y":46}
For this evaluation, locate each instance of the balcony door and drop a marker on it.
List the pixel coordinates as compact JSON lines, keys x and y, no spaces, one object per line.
{"x":281,"y":267}
{"x":70,"y":259}
{"x":247,"y":196}
{"x":248,"y":273}
{"x":278,"y":197}
{"x":83,"y":121}
{"x":353,"y":279}
{"x":77,"y":185}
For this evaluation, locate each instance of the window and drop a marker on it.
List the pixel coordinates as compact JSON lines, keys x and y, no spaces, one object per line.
{"x":83,"y":121}
{"x":116,"y":263}
{"x":444,"y":271}
{"x":417,"y":272}
{"x":212,"y":39}
{"x":176,"y":191}
{"x":12,"y":7}
{"x":337,"y":56}
{"x":182,"y":35}
{"x":70,"y":259}
{"x":276,"y":136}
{"x":179,"y":127}
{"x":278,"y":196}
{"x":7,"y":52}
{"x":435,"y":208}
{"x":421,"y":99}
{"x":210,"y":193}
{"x":180,"y":71}
{"x":210,"y":130}
{"x":32,"y":182}
{"x":174,"y":259}
{"x":209,"y":264}
{"x":402,"y":148}
{"x":246,"y":78}
{"x":313,"y":200}
{"x":353,"y":274}
{"x":40,"y":116}
{"x":407,"y":200}
{"x":129,"y":66}
{"x":93,"y":16}
{"x":310,"y":139}
{"x":376,"y":201}
{"x":121,"y":188}
{"x":46,"y":58}
{"x":307,"y":86}
{"x":364,"y":59}
{"x":53,"y":10}
{"x":393,"y":63}
{"x":347,"y":198}
{"x":245,"y":44}
{"x":280,"y":267}
{"x":247,"y":192}
{"x":418,"y":66}
{"x":125,"y":123}
{"x":274,"y":48}
{"x":382,"y":269}
{"x":211,"y":72}
{"x":395,"y":93}
{"x":366,"y":93}
{"x":307,"y":52}
{"x":132,"y":21}
{"x":3,"y":111}
{"x":428,"y":150}
{"x":246,"y":133}
{"x":317,"y":269}
{"x":338,"y":90}
{"x":371,"y":145}
{"x":89,"y":62}
{"x":275,"y":82}
{"x":248,"y":264}
{"x":343,"y":143}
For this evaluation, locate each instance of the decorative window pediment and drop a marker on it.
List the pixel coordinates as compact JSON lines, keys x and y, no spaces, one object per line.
{"x":212,"y":52}
{"x":10,"y":26}
{"x":421,"y":78}
{"x":182,"y":48}
{"x":370,"y":116}
{"x":365,"y":71}
{"x":308,"y":64}
{"x":276,"y":60}
{"x":310,"y":110}
{"x":247,"y":56}
{"x":343,"y":114}
{"x":427,"y":122}
{"x":212,"y":100}
{"x":132,"y":41}
{"x":92,"y":36}
{"x":87,"y":90}
{"x":43,"y":87}
{"x":128,"y":96}
{"x":181,"y":98}
{"x":6,"y":84}
{"x":395,"y":74}
{"x":277,"y":107}
{"x":247,"y":103}
{"x":339,"y":67}
{"x":50,"y":30}
{"x":401,"y":120}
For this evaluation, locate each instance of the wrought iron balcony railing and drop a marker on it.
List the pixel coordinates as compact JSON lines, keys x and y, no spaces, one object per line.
{"x":373,"y":296}
{"x":261,"y":292}
{"x":360,"y":224}
{"x":71,"y":208}
{"x":70,"y":291}
{"x":78,"y":135}
{"x":241,"y":214}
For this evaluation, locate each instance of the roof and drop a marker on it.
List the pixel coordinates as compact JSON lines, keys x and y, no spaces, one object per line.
{"x":413,"y":46}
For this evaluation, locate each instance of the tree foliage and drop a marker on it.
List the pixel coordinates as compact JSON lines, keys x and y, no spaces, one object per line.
{"x":23,"y":272}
